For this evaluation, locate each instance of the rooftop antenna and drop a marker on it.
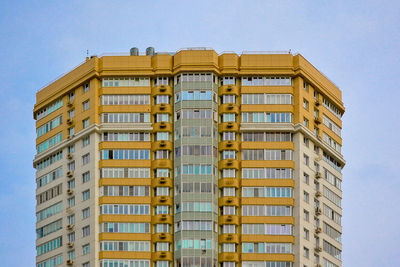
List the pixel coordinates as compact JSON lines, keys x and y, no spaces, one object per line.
{"x":87,"y":54}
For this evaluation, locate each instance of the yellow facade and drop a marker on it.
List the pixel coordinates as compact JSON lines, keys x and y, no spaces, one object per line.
{"x":308,"y":85}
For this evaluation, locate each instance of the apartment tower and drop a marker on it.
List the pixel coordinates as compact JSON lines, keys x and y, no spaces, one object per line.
{"x":189,"y":159}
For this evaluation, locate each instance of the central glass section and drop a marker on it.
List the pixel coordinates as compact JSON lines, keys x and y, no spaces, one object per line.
{"x":195,"y":169}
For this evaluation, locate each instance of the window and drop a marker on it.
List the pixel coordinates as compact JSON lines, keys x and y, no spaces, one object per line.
{"x":71,"y":166}
{"x":305,"y":122}
{"x":124,"y":117}
{"x":228,"y":154}
{"x":125,"y":81}
{"x":49,"y":143}
{"x":86,"y":159}
{"x":85,"y":231}
{"x":306,"y":178}
{"x":227,"y":117}
{"x":225,"y":136}
{"x":71,"y":149}
{"x":49,"y":109}
{"x":85,"y":123}
{"x":267,"y":117}
{"x":49,"y":126}
{"x":85,"y":213}
{"x":125,"y":154}
{"x":71,"y":237}
{"x":228,"y":192}
{"x":306,"y":197}
{"x":71,"y":202}
{"x":229,"y":173}
{"x":306,"y":141}
{"x":331,"y":107}
{"x":71,"y":254}
{"x":305,"y":104}
{"x":125,"y":136}
{"x":306,"y":234}
{"x":332,"y":250}
{"x":71,"y":96}
{"x":162,"y":191}
{"x":228,"y":99}
{"x":85,"y":195}
{"x":332,"y":179}
{"x":48,"y":229}
{"x":71,"y":184}
{"x":161,"y":99}
{"x":331,"y":125}
{"x":266,"y":81}
{"x":86,"y":264}
{"x":85,"y":249}
{"x":85,"y":177}
{"x":305,"y":86}
{"x":228,"y":229}
{"x":48,"y":212}
{"x":49,"y":246}
{"x":161,"y":228}
{"x":86,"y":88}
{"x":228,"y":247}
{"x":306,"y":159}
{"x":306,"y":253}
{"x":85,"y":141}
{"x":71,"y":113}
{"x":161,"y":136}
{"x":306,"y":215}
{"x":85,"y":105}
{"x":110,"y":190}
{"x":119,"y":227}
{"x":71,"y":131}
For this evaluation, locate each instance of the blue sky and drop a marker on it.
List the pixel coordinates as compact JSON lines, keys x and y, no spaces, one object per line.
{"x":356,"y":43}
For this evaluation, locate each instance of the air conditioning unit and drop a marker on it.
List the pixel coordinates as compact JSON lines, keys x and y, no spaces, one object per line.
{"x":229,"y":200}
{"x":162,"y":106}
{"x":163,"y":124}
{"x":230,"y":88}
{"x":163,"y":180}
{"x":229,"y":144}
{"x":163,"y":143}
{"x":317,"y":120}
{"x":70,"y":191}
{"x":163,"y":88}
{"x":318,"y":211}
{"x":318,"y":230}
{"x":70,"y":244}
{"x":230,"y":106}
{"x":70,"y":173}
{"x":229,"y":218}
{"x":70,"y":262}
{"x":230,"y":162}
{"x":69,"y":121}
{"x":69,"y":156}
{"x":163,"y":199}
{"x":70,"y":226}
{"x":229,"y":237}
{"x":318,"y":194}
{"x":318,"y":249}
{"x":163,"y":217}
{"x":318,"y":175}
{"x":163,"y":254}
{"x":70,"y":103}
{"x":230,"y":125}
{"x":317,"y":103}
{"x":163,"y":236}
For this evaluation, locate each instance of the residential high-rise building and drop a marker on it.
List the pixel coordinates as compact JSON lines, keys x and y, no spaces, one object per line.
{"x":189,"y":159}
